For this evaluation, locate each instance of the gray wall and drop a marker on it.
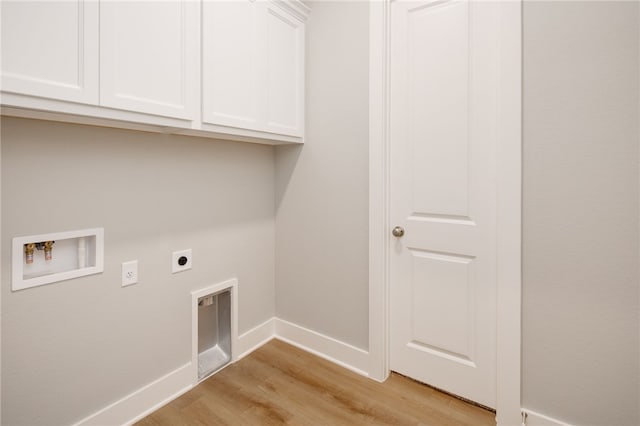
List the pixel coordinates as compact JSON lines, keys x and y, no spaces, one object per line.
{"x":580,"y":291}
{"x":71,"y":348}
{"x":321,"y":188}
{"x":580,"y":295}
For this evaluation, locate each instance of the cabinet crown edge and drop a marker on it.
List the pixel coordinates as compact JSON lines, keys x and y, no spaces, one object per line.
{"x":295,"y":7}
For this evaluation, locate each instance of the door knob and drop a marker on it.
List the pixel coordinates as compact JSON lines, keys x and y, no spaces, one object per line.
{"x":398,"y":231}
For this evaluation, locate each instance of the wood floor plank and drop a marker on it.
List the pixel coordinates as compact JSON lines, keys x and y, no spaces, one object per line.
{"x":281,"y":384}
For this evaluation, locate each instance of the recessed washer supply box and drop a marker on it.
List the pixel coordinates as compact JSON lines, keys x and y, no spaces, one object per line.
{"x":48,"y":258}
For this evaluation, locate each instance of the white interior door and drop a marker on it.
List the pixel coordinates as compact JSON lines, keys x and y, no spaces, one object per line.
{"x":444,"y":93}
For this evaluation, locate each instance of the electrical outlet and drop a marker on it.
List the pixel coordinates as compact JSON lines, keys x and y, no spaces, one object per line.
{"x":181,"y":260}
{"x":129,"y":273}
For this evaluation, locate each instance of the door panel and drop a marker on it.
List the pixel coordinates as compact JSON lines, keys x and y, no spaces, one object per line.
{"x":232,"y":64}
{"x":443,"y":135}
{"x":285,"y":69}
{"x":149,"y":56}
{"x":253,"y":66}
{"x":448,"y":277}
{"x":438,"y":106}
{"x":50,"y":49}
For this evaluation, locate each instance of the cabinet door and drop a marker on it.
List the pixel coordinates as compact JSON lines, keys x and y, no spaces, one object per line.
{"x":50,"y":49}
{"x":232,"y":64}
{"x":284,"y":38}
{"x":149,"y":56}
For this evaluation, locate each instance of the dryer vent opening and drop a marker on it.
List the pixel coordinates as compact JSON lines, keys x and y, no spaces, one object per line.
{"x":214,"y":332}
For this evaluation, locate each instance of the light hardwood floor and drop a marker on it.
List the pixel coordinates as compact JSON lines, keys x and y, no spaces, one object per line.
{"x":280,"y":384}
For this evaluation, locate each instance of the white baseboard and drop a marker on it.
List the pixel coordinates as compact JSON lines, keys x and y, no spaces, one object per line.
{"x":343,"y":354}
{"x":149,"y":398}
{"x":254,"y":338}
{"x":144,"y":401}
{"x":537,"y":419}
{"x":326,"y":347}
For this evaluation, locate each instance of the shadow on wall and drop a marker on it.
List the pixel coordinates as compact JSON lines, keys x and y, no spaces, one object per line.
{"x":165,"y":183}
{"x":286,"y":162}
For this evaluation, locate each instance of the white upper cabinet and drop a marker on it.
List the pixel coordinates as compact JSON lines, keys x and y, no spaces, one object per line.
{"x":149,"y":56}
{"x":285,"y":71}
{"x":226,"y":69}
{"x":50,"y":49}
{"x":231,"y":64}
{"x":253,"y":65}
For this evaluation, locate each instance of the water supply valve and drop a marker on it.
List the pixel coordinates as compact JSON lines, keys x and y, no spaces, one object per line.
{"x":29,"y":248}
{"x":48,"y":248}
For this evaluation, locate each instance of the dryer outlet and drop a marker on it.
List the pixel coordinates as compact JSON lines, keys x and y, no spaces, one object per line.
{"x":181,"y":260}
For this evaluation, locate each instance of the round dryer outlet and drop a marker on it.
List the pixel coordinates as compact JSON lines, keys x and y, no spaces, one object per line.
{"x":181,"y":261}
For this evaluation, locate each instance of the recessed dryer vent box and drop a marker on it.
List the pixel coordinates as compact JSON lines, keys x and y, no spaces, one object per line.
{"x":214,"y":327}
{"x":48,"y":258}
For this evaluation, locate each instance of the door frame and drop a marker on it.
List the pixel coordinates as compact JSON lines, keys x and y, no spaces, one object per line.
{"x":509,"y":200}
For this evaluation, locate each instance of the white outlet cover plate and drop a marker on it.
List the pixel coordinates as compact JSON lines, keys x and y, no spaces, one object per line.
{"x":129,"y":273}
{"x":175,"y":266}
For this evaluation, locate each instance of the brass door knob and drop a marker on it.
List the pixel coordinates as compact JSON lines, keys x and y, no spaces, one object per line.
{"x":398,"y":231}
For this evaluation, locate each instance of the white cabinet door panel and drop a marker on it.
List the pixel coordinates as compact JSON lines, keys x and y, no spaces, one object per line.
{"x":252,"y":66}
{"x":285,"y":72}
{"x":232,"y":66}
{"x":148,"y":56}
{"x":50,"y":49}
